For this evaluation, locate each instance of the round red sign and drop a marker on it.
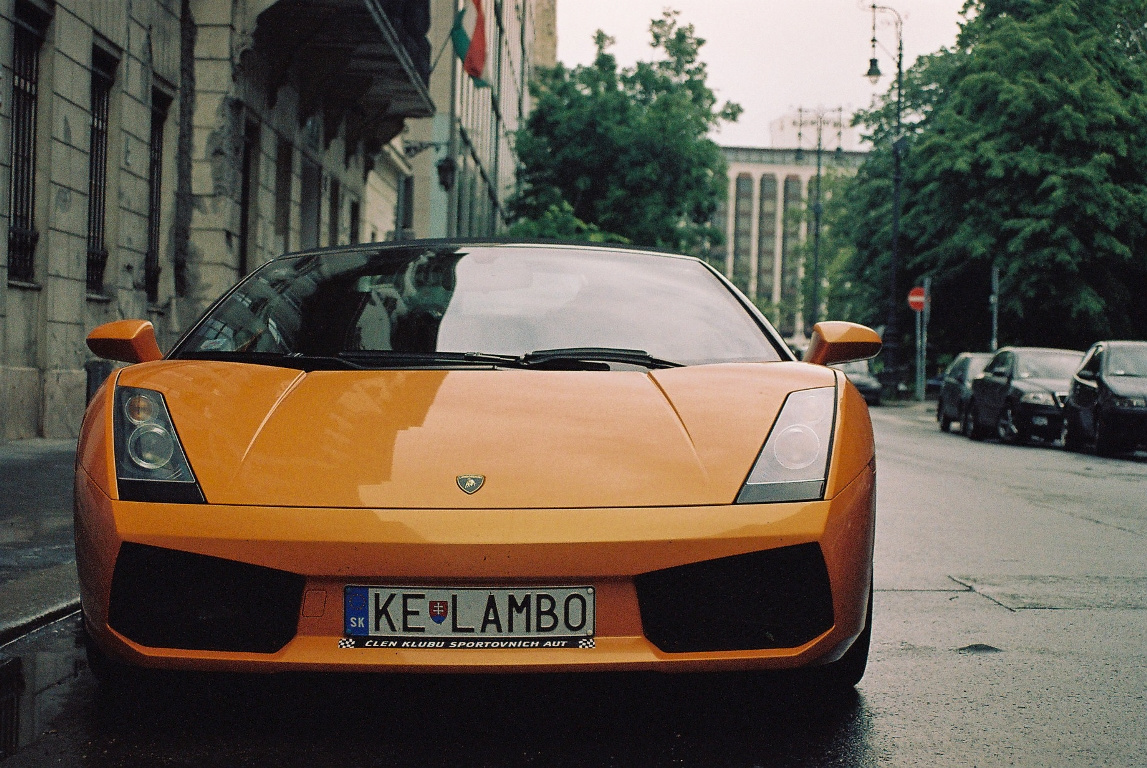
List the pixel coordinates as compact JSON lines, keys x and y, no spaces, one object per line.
{"x":916,"y":299}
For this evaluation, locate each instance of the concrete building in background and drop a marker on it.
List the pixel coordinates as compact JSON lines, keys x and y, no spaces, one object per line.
{"x":154,"y":151}
{"x":463,"y":158}
{"x":765,"y":224}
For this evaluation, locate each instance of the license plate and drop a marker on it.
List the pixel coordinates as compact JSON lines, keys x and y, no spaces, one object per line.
{"x":466,"y":617}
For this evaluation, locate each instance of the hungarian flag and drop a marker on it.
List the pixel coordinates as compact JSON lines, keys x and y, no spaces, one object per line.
{"x":469,"y":35}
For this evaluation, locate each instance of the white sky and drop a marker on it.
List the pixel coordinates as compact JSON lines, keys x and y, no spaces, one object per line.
{"x":769,"y":56}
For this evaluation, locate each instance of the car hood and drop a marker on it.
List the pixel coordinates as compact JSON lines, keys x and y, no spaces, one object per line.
{"x":1127,"y":386}
{"x":402,"y":438}
{"x":1045,"y":385}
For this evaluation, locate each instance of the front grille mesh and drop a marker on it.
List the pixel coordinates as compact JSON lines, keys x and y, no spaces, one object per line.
{"x":777,"y":598}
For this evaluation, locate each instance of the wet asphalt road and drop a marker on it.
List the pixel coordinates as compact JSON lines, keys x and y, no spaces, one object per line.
{"x":36,"y":508}
{"x":1010,"y":629}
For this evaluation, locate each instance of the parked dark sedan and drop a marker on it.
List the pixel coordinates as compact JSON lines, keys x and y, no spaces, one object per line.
{"x":1107,"y":403}
{"x":1020,"y":394}
{"x":861,"y":377}
{"x":956,"y":388}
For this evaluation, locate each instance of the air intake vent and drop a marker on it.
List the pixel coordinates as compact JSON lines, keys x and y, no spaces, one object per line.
{"x":778,"y":598}
{"x":164,"y":598}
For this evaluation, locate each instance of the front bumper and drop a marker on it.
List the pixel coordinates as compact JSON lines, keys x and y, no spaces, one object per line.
{"x":1044,"y":421}
{"x":1126,"y":426}
{"x":319,"y":551}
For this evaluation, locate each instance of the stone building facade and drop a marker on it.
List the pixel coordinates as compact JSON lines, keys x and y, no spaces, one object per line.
{"x":470,"y":137}
{"x":764,"y":224}
{"x":154,"y":151}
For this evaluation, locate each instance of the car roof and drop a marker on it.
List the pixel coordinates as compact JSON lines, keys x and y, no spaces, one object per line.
{"x":1122,"y":343}
{"x":1041,"y":350}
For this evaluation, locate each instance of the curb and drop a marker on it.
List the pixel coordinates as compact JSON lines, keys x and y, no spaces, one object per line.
{"x":38,"y":598}
{"x":14,"y":630}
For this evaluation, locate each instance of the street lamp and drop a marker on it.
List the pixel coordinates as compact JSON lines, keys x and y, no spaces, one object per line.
{"x":892,"y":324}
{"x":820,"y":119}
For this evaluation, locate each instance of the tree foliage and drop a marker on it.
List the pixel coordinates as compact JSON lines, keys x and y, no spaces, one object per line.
{"x":1027,"y":150}
{"x":627,"y":150}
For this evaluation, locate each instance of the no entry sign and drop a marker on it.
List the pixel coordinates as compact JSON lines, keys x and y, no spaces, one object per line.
{"x":916,"y":298}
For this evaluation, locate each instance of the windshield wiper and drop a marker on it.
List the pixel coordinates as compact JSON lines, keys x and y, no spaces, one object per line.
{"x":554,"y":357}
{"x":385,"y":358}
{"x":296,"y":360}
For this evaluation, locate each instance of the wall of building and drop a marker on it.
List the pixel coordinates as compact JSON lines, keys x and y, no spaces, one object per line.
{"x":253,"y":164}
{"x":484,"y":119}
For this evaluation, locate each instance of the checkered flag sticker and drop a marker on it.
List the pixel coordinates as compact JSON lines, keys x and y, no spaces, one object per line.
{"x":346,"y":642}
{"x":586,"y":643}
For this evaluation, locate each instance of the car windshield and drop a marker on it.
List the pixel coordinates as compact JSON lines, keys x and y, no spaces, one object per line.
{"x":1048,"y":365}
{"x":379,"y":305}
{"x":976,"y":364}
{"x":1127,"y":361}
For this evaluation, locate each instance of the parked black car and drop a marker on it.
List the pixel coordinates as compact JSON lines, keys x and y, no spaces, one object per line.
{"x":1107,"y":403}
{"x":956,"y":388}
{"x":861,"y":376}
{"x":1020,"y":394}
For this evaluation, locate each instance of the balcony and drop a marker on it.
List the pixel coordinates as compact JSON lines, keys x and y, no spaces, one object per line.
{"x":367,"y":61}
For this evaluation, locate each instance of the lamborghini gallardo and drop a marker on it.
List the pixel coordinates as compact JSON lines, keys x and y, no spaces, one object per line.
{"x":448,"y":456}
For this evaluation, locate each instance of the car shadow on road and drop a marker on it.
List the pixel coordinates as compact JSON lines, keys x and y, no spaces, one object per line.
{"x":474,"y":720}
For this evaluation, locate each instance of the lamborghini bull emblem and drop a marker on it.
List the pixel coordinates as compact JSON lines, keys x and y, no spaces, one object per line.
{"x":471,"y":483}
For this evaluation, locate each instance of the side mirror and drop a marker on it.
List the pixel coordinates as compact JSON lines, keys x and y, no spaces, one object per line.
{"x":1085,"y":375}
{"x":835,"y":341}
{"x":129,"y":341}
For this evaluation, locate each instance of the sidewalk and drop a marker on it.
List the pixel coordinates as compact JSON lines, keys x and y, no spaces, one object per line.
{"x":916,"y":410}
{"x":37,"y":555}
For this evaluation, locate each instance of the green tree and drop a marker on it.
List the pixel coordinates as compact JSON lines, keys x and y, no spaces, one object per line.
{"x":628,"y":149}
{"x":558,"y":222}
{"x":1027,"y":150}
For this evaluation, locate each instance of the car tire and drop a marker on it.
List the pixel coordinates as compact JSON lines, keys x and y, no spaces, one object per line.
{"x":109,"y":672}
{"x":1104,"y":445}
{"x":847,"y":671}
{"x":1006,"y":429}
{"x":971,"y":428}
{"x":945,"y":423}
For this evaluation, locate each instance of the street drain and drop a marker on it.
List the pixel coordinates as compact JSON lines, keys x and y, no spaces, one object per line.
{"x":979,"y":648}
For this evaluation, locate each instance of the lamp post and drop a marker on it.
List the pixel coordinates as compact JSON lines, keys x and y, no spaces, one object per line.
{"x":892,"y":323}
{"x":820,"y":119}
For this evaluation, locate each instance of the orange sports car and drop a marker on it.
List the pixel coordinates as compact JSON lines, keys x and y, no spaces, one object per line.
{"x":475,"y":457}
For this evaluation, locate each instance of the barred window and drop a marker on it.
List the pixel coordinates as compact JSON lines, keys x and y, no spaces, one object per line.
{"x":151,"y":269}
{"x":22,"y":234}
{"x":310,"y":204}
{"x":355,"y":221}
{"x":248,"y":191}
{"x":103,"y":75}
{"x":334,"y":212}
{"x":284,"y":160}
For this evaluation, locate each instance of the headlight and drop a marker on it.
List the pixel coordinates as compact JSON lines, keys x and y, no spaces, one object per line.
{"x":150,"y":462}
{"x":1129,"y":402}
{"x":1038,"y":398}
{"x":794,"y":462}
